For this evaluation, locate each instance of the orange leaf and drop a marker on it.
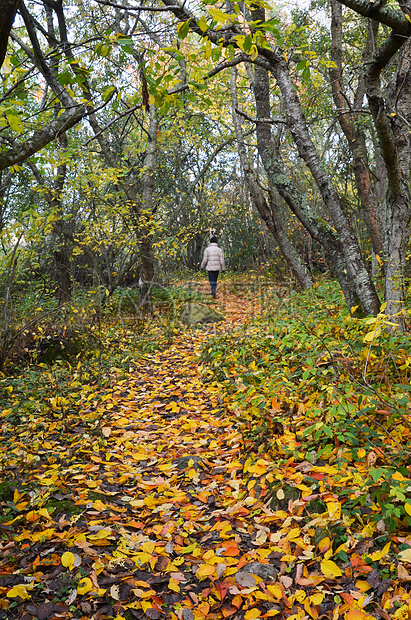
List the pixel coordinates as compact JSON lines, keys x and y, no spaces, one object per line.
{"x":229,"y":611}
{"x":204,"y":608}
{"x":232,"y":551}
{"x":357,"y":614}
{"x":275,"y":405}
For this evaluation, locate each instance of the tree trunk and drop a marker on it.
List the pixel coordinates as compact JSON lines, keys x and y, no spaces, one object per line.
{"x":398,"y":203}
{"x":357,"y":272}
{"x":394,"y":139}
{"x":8,"y":9}
{"x":146,"y":211}
{"x":271,"y":217}
{"x":352,"y":128}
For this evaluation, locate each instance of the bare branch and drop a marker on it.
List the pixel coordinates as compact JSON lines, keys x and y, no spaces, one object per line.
{"x":138,"y":8}
{"x":121,"y":115}
{"x":271,"y":121}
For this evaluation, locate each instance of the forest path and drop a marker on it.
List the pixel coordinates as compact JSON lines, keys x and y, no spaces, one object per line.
{"x":175,"y":450}
{"x":140,"y":502}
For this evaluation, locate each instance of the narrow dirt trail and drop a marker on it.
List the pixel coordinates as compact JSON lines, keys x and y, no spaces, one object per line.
{"x":175,"y":450}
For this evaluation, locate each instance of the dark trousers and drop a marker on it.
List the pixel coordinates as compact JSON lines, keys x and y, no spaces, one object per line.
{"x":212,"y":278}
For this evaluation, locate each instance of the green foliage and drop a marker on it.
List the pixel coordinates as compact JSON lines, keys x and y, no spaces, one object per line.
{"x":310,"y":371}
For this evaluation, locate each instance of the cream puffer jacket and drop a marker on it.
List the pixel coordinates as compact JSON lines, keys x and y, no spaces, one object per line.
{"x":213,"y":258}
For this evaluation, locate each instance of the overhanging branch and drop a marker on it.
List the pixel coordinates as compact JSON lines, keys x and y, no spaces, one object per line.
{"x":382,"y":14}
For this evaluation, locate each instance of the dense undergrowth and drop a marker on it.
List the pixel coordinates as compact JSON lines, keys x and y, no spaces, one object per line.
{"x":62,"y":361}
{"x":311,"y":384}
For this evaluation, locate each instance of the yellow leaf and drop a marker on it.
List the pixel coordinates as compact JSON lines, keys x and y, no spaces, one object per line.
{"x":324,"y":545}
{"x":20,"y":591}
{"x":202,"y":23}
{"x":101,"y":534}
{"x":407,"y":508}
{"x":150,"y":501}
{"x":67,"y":559}
{"x":17,"y":496}
{"x":334,"y":509}
{"x":142,"y":558}
{"x":372,"y":335}
{"x":173,"y":585}
{"x":205,"y":570}
{"x":362,"y":586}
{"x":377,"y":555}
{"x":44,"y":535}
{"x":398,"y":476}
{"x":148,"y":546}
{"x":138,"y":456}
{"x":275,"y":591}
{"x":84,"y":585}
{"x":330,"y":569}
{"x":316,"y":599}
{"x":405,"y":556}
{"x":251,"y":614}
{"x":98,"y":505}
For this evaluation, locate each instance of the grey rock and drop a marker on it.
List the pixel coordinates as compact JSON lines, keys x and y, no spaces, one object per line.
{"x":197,"y":313}
{"x":265,"y":571}
{"x":183,"y":461}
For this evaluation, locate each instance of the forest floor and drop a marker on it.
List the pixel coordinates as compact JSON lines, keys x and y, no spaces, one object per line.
{"x":149,"y":507}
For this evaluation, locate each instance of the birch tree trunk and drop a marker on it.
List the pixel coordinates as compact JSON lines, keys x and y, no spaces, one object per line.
{"x":270,"y":214}
{"x":296,"y":123}
{"x":392,"y":120}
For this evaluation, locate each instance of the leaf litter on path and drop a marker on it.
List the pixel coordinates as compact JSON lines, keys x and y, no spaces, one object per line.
{"x":152,"y":510}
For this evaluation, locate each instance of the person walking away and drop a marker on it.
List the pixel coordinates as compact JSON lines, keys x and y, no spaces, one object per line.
{"x":213,"y":261}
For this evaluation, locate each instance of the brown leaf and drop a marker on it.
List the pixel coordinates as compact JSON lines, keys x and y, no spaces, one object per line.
{"x":162,"y":563}
{"x":45,"y":611}
{"x":286,"y":581}
{"x":403,"y":574}
{"x":153,"y":614}
{"x":245,"y":580}
{"x":371,"y":458}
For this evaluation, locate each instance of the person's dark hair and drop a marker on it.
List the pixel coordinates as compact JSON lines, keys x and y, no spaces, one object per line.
{"x":213,"y":239}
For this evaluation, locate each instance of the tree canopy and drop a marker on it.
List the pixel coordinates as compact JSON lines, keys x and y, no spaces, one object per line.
{"x":174,"y":104}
